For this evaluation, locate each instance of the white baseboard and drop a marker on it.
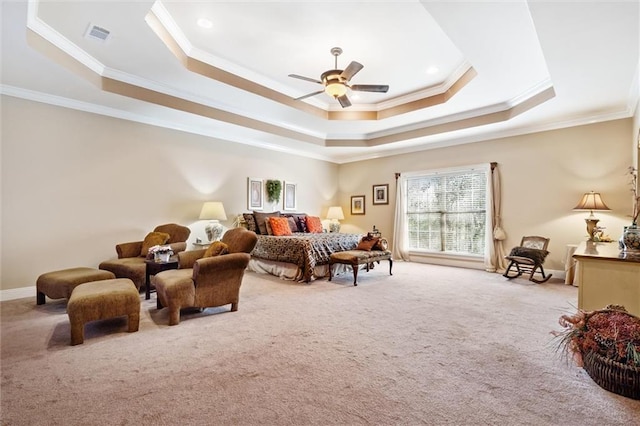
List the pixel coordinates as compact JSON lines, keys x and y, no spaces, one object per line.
{"x":18,"y":293}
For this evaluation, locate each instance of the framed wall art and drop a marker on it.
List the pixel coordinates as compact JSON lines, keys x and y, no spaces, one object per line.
{"x":357,"y":204}
{"x":289,"y":199}
{"x":255,"y":193}
{"x":381,"y":194}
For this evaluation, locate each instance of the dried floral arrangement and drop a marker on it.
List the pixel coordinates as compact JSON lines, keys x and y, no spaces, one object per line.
{"x":161,"y":249}
{"x":611,"y":332}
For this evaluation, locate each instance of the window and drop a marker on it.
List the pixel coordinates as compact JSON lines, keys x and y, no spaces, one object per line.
{"x":447,"y":212}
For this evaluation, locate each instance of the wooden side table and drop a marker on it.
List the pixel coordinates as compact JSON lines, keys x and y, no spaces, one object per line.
{"x":153,"y":268}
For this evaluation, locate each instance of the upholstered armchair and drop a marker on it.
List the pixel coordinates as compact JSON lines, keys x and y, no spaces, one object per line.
{"x":203,"y":281}
{"x":131,"y":256}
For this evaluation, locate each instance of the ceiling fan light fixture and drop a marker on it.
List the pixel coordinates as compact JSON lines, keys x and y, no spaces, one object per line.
{"x":335,"y":89}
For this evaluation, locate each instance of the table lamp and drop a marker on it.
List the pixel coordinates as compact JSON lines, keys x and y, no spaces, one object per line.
{"x":336,"y":215}
{"x":213,"y":211}
{"x":591,"y":201}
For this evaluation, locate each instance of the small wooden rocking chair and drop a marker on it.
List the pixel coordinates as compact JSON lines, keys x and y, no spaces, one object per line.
{"x":529,"y":257}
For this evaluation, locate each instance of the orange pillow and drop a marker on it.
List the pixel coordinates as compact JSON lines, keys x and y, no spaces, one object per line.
{"x":153,"y":239}
{"x":314,"y":225}
{"x":217,"y":248}
{"x":367,"y":244}
{"x":279,"y":226}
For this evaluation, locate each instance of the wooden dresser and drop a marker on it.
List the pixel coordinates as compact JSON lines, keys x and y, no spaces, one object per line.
{"x":606,"y":275}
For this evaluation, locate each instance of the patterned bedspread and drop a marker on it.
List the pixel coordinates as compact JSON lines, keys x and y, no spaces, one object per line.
{"x":304,"y":250}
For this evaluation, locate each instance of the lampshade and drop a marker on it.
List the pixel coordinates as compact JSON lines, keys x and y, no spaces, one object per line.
{"x":335,"y":212}
{"x":213,"y":210}
{"x":335,"y":89}
{"x":591,"y":201}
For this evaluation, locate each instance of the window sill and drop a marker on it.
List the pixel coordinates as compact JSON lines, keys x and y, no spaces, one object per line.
{"x":447,"y":259}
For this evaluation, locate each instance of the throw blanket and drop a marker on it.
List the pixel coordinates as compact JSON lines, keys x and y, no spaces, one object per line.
{"x":304,"y":250}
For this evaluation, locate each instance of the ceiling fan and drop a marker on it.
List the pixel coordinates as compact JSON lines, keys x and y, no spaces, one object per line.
{"x":336,"y":82}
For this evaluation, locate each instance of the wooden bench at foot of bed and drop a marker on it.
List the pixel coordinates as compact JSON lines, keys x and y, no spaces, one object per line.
{"x":355,"y":258}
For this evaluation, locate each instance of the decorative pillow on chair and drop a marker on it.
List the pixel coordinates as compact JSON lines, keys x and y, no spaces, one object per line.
{"x":216,"y":248}
{"x":153,"y":239}
{"x":536,"y":255}
{"x":367,"y":243}
{"x":279,"y":226}
{"x":261,"y":220}
{"x":314,"y":224}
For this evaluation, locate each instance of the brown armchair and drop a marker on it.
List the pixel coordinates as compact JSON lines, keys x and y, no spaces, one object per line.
{"x":202,"y":282}
{"x":130,"y":262}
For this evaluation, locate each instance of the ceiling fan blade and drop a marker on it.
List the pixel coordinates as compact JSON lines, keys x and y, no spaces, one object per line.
{"x":344,"y":101}
{"x":370,"y":88}
{"x":309,"y":95}
{"x":351,"y":70}
{"x":313,"y":80}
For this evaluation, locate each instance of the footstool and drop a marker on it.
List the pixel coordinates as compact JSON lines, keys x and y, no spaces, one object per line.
{"x":355,"y":258}
{"x":101,"y":300}
{"x":60,"y":284}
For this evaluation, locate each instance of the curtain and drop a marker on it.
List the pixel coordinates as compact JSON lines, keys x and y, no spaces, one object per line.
{"x":400,"y":249}
{"x":494,"y":257}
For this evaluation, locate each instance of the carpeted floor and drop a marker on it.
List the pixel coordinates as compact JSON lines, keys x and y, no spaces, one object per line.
{"x":429,"y":345}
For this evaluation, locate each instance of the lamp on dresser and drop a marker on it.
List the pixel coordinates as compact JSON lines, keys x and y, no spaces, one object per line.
{"x":591,"y":201}
{"x":335,"y":214}
{"x":214,"y":212}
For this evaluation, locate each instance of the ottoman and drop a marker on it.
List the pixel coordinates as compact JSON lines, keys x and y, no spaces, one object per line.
{"x":60,"y":284}
{"x":100,"y":300}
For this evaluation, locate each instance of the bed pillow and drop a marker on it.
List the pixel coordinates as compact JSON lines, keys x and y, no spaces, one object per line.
{"x":261,"y":220}
{"x":250,"y":220}
{"x":217,"y":248}
{"x":153,"y":239}
{"x":314,"y":224}
{"x":302,"y":223}
{"x":293,"y":225}
{"x":279,"y":226}
{"x":367,"y":243}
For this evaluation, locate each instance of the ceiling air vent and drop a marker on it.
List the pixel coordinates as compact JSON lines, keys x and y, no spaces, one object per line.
{"x":95,"y":32}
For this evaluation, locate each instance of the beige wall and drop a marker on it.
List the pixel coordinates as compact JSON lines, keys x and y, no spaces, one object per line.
{"x":543,"y":175}
{"x":74,"y":184}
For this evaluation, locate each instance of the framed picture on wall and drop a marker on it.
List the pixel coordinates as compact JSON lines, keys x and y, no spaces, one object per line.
{"x":357,"y":204}
{"x":381,"y":194}
{"x":255,"y":193}
{"x":289,"y":198}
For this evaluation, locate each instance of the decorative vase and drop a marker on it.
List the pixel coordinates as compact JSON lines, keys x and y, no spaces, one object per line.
{"x":631,"y":238}
{"x":161,"y":257}
{"x":214,"y":230}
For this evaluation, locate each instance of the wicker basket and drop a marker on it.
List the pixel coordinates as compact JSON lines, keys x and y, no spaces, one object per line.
{"x":613,"y":376}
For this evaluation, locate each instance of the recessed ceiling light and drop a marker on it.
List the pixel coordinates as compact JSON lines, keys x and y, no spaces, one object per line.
{"x":432,"y":70}
{"x":205,"y":23}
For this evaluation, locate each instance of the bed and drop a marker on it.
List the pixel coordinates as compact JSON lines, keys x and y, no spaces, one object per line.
{"x":301,"y":256}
